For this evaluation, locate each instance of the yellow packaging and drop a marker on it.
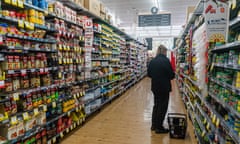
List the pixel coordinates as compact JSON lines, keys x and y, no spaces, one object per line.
{"x":32,"y":19}
{"x":32,"y":12}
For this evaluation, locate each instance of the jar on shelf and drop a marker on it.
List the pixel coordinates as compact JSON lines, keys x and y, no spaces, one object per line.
{"x":34,"y":99}
{"x":25,"y":82}
{"x":8,"y":83}
{"x":16,"y":82}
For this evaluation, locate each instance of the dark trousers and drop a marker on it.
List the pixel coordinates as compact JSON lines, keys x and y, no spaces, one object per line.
{"x":160,"y":107}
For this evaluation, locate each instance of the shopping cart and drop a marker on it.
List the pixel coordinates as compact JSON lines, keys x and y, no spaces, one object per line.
{"x":177,"y":125}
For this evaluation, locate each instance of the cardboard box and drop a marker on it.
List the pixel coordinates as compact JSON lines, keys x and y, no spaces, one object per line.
{"x":103,"y":16}
{"x":190,"y":10}
{"x":93,"y":6}
{"x":79,"y":2}
{"x":102,"y":8}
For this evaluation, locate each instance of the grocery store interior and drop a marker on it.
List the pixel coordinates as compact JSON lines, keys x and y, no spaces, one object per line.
{"x":104,"y":72}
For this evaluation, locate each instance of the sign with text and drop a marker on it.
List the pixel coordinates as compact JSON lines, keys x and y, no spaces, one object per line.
{"x":154,"y":20}
{"x":88,"y":24}
{"x":216,"y":19}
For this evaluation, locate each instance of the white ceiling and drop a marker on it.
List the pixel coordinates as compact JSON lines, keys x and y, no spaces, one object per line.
{"x":126,"y":14}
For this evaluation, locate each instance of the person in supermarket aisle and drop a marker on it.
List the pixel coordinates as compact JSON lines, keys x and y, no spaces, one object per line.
{"x":161,"y":73}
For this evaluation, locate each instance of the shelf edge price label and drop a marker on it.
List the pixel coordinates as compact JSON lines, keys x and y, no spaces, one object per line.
{"x":54,"y":140}
{"x":67,"y":130}
{"x":7,"y":1}
{"x":14,"y":2}
{"x":15,"y":96}
{"x":54,"y":104}
{"x":71,"y":127}
{"x":61,"y":135}
{"x":25,"y":116}
{"x":20,"y":3}
{"x":20,"y":23}
{"x":68,"y":114}
{"x":14,"y":120}
{"x":217,"y":122}
{"x":35,"y":111}
{"x":44,"y":108}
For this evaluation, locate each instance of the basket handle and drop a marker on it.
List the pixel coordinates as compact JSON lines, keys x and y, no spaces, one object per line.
{"x":180,"y":114}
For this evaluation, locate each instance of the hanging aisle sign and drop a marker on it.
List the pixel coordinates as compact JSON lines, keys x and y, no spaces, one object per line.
{"x":88,"y":25}
{"x":216,"y":19}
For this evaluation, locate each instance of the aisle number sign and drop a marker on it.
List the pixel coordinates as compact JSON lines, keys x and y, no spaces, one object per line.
{"x":216,"y":17}
{"x":88,"y":24}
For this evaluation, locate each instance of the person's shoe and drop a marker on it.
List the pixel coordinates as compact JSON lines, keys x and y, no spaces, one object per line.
{"x":152,"y":128}
{"x":161,"y":131}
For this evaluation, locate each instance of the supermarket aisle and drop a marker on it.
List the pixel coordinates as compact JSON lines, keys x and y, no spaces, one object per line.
{"x":128,"y":119}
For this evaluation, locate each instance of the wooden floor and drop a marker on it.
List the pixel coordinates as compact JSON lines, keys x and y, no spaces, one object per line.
{"x":127,"y":120}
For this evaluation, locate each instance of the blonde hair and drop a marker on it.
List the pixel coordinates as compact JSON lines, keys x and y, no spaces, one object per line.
{"x":161,"y":50}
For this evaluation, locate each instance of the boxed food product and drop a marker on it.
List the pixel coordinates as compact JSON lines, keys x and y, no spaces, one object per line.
{"x":10,"y":132}
{"x":93,"y":6}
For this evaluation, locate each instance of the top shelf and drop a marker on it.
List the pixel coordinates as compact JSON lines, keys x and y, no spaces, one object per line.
{"x":226,"y":47}
{"x":198,"y":11}
{"x":234,"y":22}
{"x":86,"y":12}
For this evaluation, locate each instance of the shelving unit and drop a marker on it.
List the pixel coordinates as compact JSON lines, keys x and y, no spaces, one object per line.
{"x":46,"y":91}
{"x":214,"y":110}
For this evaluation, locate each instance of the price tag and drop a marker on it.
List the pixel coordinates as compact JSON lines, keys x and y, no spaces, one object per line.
{"x":46,"y":69}
{"x":71,"y":127}
{"x":59,"y":75}
{"x":74,"y":125}
{"x":203,"y":133}
{"x":61,"y":135}
{"x":69,"y":113}
{"x":41,"y":70}
{"x":15,"y":96}
{"x":14,"y":120}
{"x":6,"y":115}
{"x":31,"y":26}
{"x":217,"y":122}
{"x":7,"y":1}
{"x":20,"y":24}
{"x":25,"y":116}
{"x":23,"y":72}
{"x":67,"y":130}
{"x":208,"y":126}
{"x":78,"y":122}
{"x":59,"y":47}
{"x":44,"y":108}
{"x":20,"y":3}
{"x":54,"y":140}
{"x":49,"y":142}
{"x":14,"y":2}
{"x":205,"y":121}
{"x":35,"y":111}
{"x":214,"y":119}
{"x":77,"y":109}
{"x":54,"y":104}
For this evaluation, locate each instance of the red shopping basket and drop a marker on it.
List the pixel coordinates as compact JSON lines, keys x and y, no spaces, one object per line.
{"x":177,"y":125}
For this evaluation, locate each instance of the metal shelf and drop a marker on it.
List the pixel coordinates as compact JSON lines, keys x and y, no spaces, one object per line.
{"x":234,"y":67}
{"x":226,"y":47}
{"x":225,"y":105}
{"x":40,"y":40}
{"x":223,"y":123}
{"x":226,"y":85}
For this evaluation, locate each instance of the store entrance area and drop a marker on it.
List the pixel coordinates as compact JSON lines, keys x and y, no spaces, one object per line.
{"x":128,"y":120}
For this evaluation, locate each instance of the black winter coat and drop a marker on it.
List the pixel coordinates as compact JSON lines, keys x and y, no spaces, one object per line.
{"x":161,"y":73}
